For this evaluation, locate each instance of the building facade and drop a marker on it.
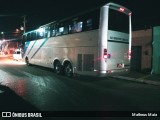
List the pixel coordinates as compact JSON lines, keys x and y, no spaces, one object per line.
{"x":142,"y":50}
{"x":156,"y":50}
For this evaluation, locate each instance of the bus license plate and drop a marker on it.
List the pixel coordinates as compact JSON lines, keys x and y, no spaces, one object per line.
{"x":120,"y":65}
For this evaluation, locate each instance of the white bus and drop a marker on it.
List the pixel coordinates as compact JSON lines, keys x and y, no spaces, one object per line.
{"x":96,"y":42}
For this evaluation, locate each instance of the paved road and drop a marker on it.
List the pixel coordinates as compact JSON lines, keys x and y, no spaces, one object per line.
{"x":37,"y":88}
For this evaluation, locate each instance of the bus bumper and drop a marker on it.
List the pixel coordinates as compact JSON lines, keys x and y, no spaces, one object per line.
{"x":113,"y":72}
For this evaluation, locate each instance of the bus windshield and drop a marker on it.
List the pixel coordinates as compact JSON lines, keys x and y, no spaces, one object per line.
{"x":118,"y":21}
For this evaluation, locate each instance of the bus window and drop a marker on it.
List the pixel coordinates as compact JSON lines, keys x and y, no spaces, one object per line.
{"x":70,"y":28}
{"x":24,"y":37}
{"x":33,"y":35}
{"x":61,"y":30}
{"x":28,"y":37}
{"x":77,"y":26}
{"x":89,"y":25}
{"x":47,"y":32}
{"x":41,"y":33}
{"x":66,"y":29}
{"x":56,"y":30}
{"x":52,"y":30}
{"x":118,"y":21}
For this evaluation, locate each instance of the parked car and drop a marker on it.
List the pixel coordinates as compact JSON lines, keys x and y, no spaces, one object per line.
{"x":17,"y":55}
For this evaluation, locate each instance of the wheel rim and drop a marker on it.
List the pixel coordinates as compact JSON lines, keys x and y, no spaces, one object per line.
{"x":68,"y":70}
{"x":27,"y":61}
{"x":57,"y":68}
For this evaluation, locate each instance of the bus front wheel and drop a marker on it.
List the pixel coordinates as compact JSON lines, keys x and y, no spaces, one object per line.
{"x":68,"y":70}
{"x":27,"y":61}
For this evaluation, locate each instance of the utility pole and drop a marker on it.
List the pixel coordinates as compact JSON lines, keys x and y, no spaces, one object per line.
{"x":24,"y":23}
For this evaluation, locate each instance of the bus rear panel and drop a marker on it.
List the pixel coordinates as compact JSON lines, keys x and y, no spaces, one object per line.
{"x":115,"y":40}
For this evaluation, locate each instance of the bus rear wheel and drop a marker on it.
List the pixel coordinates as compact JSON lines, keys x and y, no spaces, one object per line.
{"x":57,"y":67}
{"x":68,"y":70}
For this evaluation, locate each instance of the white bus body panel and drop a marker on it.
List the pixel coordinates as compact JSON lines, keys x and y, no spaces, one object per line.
{"x":103,"y":39}
{"x":67,"y":47}
{"x":117,"y":46}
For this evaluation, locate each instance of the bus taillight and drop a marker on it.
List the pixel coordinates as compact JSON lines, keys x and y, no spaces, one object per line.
{"x":129,"y":54}
{"x":105,"y":54}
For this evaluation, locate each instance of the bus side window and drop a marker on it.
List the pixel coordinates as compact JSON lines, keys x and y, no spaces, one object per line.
{"x":24,"y":37}
{"x":52,"y":30}
{"x":66,"y":29}
{"x":61,"y":30}
{"x":33,"y":35}
{"x":77,"y":26}
{"x":70,"y":28}
{"x":45,"y":32}
{"x":89,"y":24}
{"x":36,"y":33}
{"x":38,"y":36}
{"x":49,"y":32}
{"x":57,"y":30}
{"x":28,"y":37}
{"x":41,"y":33}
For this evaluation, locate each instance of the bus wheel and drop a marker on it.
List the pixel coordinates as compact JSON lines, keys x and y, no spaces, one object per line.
{"x":57,"y":67}
{"x":27,"y":61}
{"x":68,"y":70}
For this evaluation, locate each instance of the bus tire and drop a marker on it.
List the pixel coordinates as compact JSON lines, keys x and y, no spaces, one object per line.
{"x":57,"y":67}
{"x":27,"y":61}
{"x":68,"y":69}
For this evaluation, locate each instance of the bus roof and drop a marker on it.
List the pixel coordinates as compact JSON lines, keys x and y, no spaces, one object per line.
{"x":119,"y":8}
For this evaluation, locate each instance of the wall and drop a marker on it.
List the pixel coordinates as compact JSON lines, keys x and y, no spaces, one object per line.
{"x":143,"y":38}
{"x":156,"y":50}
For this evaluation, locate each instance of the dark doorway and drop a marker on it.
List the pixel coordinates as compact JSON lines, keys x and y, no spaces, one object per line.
{"x":136,"y":55}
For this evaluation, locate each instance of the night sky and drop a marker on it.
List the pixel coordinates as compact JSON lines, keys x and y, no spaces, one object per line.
{"x":145,"y":13}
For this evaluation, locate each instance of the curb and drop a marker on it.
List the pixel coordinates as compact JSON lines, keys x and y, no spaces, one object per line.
{"x":140,"y":80}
